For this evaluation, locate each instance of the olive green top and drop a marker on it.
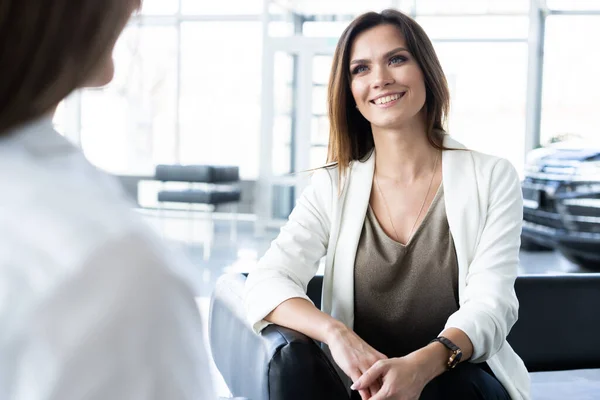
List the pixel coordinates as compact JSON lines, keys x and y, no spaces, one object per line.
{"x":404,"y":294}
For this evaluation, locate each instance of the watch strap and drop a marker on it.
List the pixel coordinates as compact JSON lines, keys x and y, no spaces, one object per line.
{"x":456,"y":355}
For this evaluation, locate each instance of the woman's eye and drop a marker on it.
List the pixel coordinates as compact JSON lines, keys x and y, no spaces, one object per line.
{"x":358,"y":69}
{"x":397,"y":59}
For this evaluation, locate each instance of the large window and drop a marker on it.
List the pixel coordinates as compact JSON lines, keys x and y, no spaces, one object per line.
{"x":571,"y":89}
{"x":160,"y":7}
{"x":188,"y":81}
{"x":283,"y":121}
{"x":488,"y":83}
{"x":484,"y":58}
{"x":186,"y":90}
{"x":319,"y":138}
{"x":220,"y":94}
{"x":220,"y":7}
{"x":570,"y":5}
{"x":479,"y":27}
{"x":471,"y":6}
{"x":129,"y":126}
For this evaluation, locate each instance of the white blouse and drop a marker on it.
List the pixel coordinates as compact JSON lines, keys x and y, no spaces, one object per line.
{"x":92,"y":304}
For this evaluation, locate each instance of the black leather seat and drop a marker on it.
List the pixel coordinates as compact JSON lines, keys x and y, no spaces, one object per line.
{"x":211,"y":195}
{"x":197,"y":173}
{"x":218,"y":184}
{"x":556,"y":331}
{"x":558,"y":324}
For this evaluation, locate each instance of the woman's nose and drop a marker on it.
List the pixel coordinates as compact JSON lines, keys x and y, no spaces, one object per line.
{"x":381,"y":78}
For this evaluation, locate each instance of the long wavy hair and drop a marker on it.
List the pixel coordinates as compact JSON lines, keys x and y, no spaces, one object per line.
{"x":350,"y":135}
{"x":49,"y":48}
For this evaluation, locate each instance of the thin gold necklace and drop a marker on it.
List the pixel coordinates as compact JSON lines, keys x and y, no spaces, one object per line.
{"x":422,"y":204}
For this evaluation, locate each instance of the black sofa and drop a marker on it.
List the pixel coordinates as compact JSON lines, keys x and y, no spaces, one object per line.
{"x":557,"y":331}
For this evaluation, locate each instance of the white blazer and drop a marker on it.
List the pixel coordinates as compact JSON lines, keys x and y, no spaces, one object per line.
{"x":92,"y":304}
{"x":484,"y":206}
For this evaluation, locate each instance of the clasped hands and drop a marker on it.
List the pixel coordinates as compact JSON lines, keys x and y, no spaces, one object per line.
{"x":374,"y":375}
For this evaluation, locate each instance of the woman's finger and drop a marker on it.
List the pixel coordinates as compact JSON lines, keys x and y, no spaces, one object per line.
{"x":381,"y":395}
{"x":375,"y":387}
{"x":364,"y":393}
{"x":372,"y":391}
{"x":370,"y":376}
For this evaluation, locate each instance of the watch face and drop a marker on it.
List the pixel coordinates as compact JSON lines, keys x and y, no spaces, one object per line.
{"x":454,"y":358}
{"x":458,"y":356}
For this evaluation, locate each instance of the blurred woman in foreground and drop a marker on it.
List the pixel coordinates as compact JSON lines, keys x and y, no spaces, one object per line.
{"x":92,"y":306}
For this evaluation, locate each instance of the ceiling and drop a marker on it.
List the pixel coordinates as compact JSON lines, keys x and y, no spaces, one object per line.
{"x":423,"y":7}
{"x":339,"y":7}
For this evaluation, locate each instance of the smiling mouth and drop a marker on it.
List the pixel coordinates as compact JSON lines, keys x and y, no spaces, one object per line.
{"x":387,"y":99}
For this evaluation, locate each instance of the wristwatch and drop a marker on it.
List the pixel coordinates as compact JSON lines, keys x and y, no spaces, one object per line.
{"x":456,"y":351}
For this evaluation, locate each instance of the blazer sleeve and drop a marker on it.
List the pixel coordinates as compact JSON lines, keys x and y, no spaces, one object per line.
{"x":293,"y":257}
{"x":489,"y":305}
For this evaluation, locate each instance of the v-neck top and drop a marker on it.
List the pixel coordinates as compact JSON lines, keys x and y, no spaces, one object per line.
{"x":404,"y":294}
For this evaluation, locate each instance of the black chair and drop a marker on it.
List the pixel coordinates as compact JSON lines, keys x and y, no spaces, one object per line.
{"x":209,"y":186}
{"x":556,"y":331}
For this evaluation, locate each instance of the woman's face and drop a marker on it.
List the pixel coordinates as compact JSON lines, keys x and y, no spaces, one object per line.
{"x":104,"y":72}
{"x":386,"y":81}
{"x":105,"y":69}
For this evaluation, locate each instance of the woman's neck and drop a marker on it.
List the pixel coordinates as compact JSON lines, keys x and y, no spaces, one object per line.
{"x":51,"y":112}
{"x":403,"y":154}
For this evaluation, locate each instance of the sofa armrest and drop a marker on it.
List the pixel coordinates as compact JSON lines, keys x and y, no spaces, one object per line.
{"x":278,"y":364}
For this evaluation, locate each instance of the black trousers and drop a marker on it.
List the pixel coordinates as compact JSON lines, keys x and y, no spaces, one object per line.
{"x":465,"y":382}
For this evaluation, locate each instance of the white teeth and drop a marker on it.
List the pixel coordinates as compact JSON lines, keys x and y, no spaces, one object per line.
{"x":387,"y":99}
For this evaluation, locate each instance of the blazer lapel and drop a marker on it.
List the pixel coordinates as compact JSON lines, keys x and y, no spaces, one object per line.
{"x":461,"y":200}
{"x":354,"y":210}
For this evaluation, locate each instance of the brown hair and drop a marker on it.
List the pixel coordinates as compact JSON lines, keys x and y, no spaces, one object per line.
{"x":351,"y":137}
{"x":49,"y":48}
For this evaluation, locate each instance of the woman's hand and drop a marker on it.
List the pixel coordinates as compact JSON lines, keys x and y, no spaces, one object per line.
{"x":404,"y":378}
{"x":354,"y":356}
{"x":401,"y":379}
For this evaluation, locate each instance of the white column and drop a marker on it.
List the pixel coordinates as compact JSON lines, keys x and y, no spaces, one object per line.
{"x":303,"y":117}
{"x":263,"y":189}
{"x":535,"y":69}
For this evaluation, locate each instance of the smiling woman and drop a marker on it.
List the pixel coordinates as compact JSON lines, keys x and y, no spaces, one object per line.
{"x":421,"y":242}
{"x":351,"y":137}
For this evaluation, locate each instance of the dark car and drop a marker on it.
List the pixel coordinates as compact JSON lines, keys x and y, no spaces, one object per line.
{"x":561,"y":195}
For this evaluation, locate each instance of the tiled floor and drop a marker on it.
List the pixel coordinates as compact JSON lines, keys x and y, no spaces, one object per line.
{"x":242,"y":255}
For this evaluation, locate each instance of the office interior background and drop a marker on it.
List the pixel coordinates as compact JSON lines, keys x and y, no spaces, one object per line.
{"x":244,"y":82}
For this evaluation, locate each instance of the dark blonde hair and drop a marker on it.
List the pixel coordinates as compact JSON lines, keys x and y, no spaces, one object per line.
{"x":49,"y":48}
{"x":351,"y":137}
